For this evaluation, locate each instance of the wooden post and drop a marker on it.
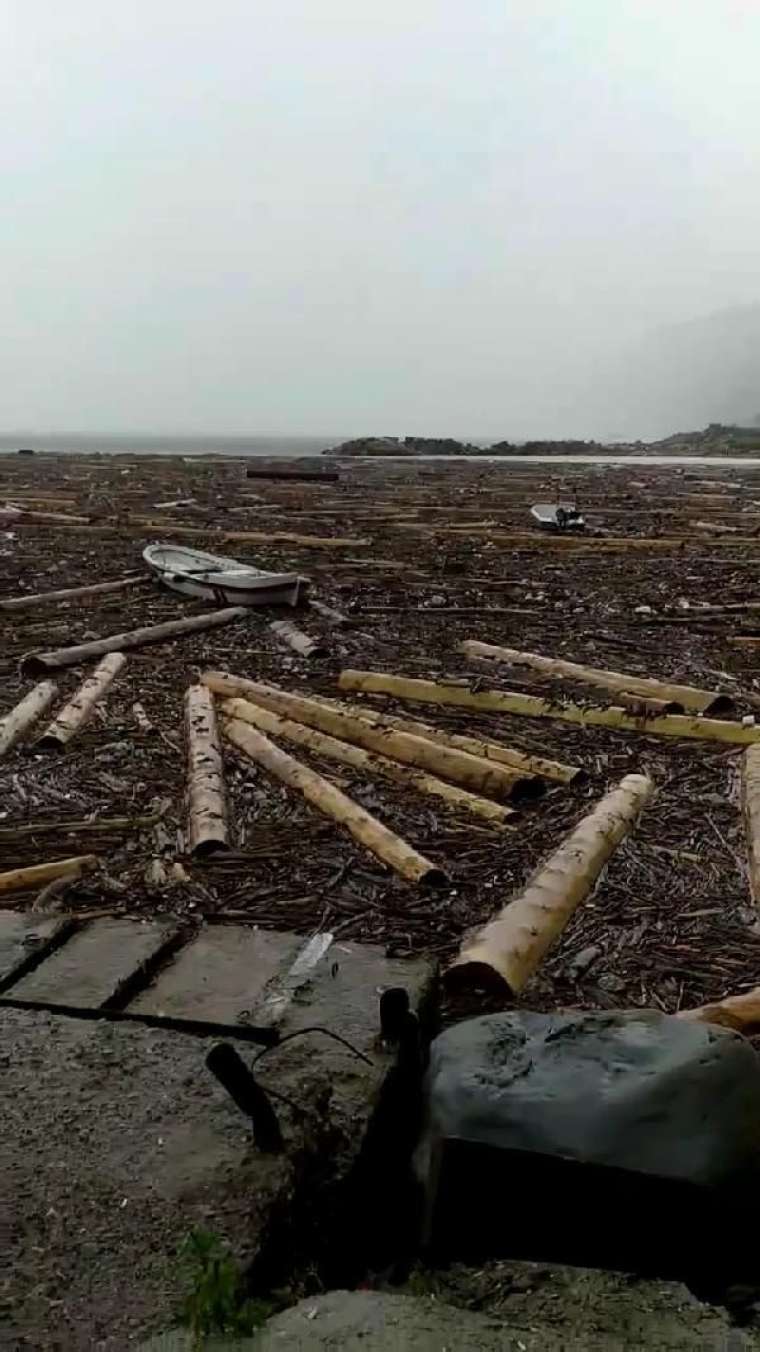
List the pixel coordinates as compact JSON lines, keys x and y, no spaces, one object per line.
{"x":513,"y":702}
{"x":751,"y":814}
{"x":296,"y":639}
{"x":328,"y":799}
{"x":70,"y":593}
{"x":355,"y":756}
{"x":75,"y":714}
{"x":34,"y":664}
{"x":18,"y":878}
{"x":26,"y":712}
{"x":510,"y":947}
{"x":494,"y":781}
{"x":207,"y":813}
{"x":687,"y":696}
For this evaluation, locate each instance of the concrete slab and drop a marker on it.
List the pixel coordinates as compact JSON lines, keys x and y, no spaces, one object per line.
{"x":21,"y":935}
{"x":92,"y":964}
{"x":220,"y":976}
{"x":115,"y":1144}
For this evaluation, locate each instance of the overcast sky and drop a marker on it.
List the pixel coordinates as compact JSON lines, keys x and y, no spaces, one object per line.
{"x":348,"y":216}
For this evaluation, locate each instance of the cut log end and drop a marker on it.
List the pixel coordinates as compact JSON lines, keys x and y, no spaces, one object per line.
{"x":34,"y":665}
{"x":470,"y":977}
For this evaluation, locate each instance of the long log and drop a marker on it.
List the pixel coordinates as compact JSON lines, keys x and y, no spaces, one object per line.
{"x":751,"y":813}
{"x":54,"y":518}
{"x":75,"y":714}
{"x":510,"y":947}
{"x":691,"y":698}
{"x":532,"y":766}
{"x":530,"y":706}
{"x":296,"y":639}
{"x":648,"y":706}
{"x":26,"y":712}
{"x":315,"y":476}
{"x":331,"y":747}
{"x":255,"y":536}
{"x":34,"y":664}
{"x":318,"y":791}
{"x":19,"y":878}
{"x":740,"y":1012}
{"x":70,"y":593}
{"x":206,"y":801}
{"x":494,"y":781}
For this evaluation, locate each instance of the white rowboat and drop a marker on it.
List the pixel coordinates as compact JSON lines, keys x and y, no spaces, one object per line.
{"x":557,"y":516}
{"x":225,"y":581}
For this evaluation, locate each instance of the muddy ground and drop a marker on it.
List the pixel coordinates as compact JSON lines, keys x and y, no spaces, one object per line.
{"x":673,"y":923}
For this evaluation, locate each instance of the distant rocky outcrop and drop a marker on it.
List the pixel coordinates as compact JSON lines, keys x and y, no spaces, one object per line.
{"x":371,"y":446}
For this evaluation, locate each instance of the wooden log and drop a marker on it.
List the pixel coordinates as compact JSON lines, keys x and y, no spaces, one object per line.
{"x":335,"y":617}
{"x":318,"y":791}
{"x":691,"y":698}
{"x":315,"y":476}
{"x":510,"y":947}
{"x":355,"y":756}
{"x":494,"y":781}
{"x":143,"y":722}
{"x":76,"y":713}
{"x":54,"y":518}
{"x":295,"y":638}
{"x":206,"y":801}
{"x":34,"y":664}
{"x":532,"y":766}
{"x":70,"y":593}
{"x":26,"y":712}
{"x":20,"y":878}
{"x":750,"y":795}
{"x":740,"y":1012}
{"x":84,"y":827}
{"x":647,"y":706}
{"x":531,"y":706}
{"x":255,"y":536}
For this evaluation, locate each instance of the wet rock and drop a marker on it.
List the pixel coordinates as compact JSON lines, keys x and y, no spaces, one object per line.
{"x":616,"y":1116}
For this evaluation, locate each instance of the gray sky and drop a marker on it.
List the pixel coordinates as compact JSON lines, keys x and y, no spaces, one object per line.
{"x":363,"y":215}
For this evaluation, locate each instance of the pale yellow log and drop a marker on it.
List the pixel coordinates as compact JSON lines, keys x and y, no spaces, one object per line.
{"x":324,"y":745}
{"x":512,"y":945}
{"x":531,"y":766}
{"x":206,"y":802}
{"x":318,"y":791}
{"x":76,"y":713}
{"x":19,"y":878}
{"x":530,"y":706}
{"x":26,"y":712}
{"x":740,"y":1012}
{"x":295,"y":639}
{"x":751,"y":814}
{"x":689,"y":696}
{"x":69,"y":593}
{"x":495,"y":781}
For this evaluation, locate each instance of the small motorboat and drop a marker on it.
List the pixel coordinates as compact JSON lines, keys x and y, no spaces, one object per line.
{"x":225,"y":581}
{"x":557,"y":516}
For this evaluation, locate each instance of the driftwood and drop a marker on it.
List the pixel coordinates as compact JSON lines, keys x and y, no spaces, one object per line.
{"x":751,"y":814}
{"x":83,"y":827}
{"x":53,"y":518}
{"x":69,"y":593}
{"x":75,"y":714}
{"x":333,"y":749}
{"x":328,"y":799}
{"x":510,"y":947}
{"x":328,"y":613}
{"x":143,"y":722}
{"x":254,"y":536}
{"x":688,"y":696}
{"x":530,"y":706}
{"x":531,"y":766}
{"x":19,"y":878}
{"x":325,"y":476}
{"x":495,"y":781}
{"x":207,"y":810}
{"x":296,"y":639}
{"x":647,"y":705}
{"x":34,"y":664}
{"x":26,"y":712}
{"x":740,"y":1012}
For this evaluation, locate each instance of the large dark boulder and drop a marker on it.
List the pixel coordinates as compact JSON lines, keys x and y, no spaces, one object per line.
{"x":627,"y":1139}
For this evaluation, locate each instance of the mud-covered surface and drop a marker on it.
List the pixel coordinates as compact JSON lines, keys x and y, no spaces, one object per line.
{"x":439,"y":554}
